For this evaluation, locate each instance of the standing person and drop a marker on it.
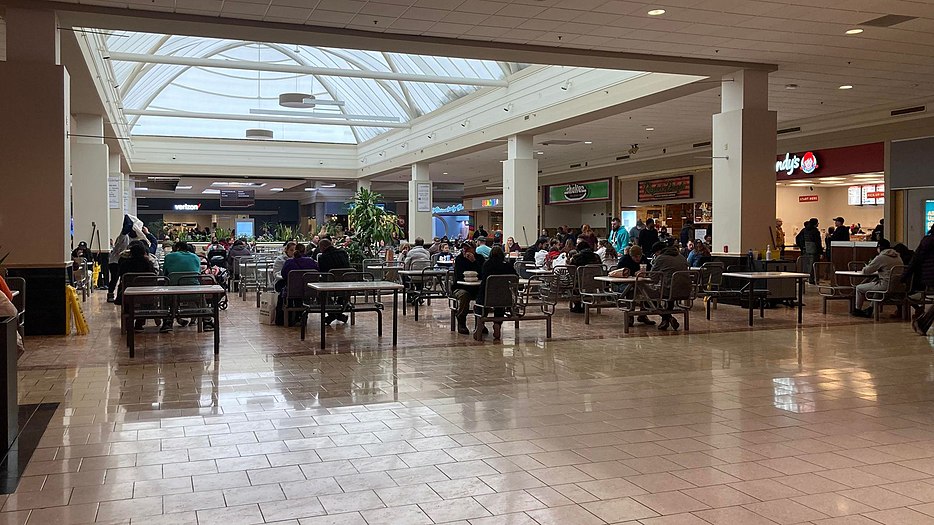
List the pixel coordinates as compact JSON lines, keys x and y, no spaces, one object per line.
{"x":840,"y":231}
{"x":635,"y":231}
{"x":619,"y":237}
{"x":479,"y":232}
{"x":138,"y":260}
{"x":153,"y":242}
{"x":878,"y":232}
{"x":467,"y":261}
{"x":780,"y":238}
{"x":687,"y":232}
{"x":495,"y":265}
{"x":587,"y":235}
{"x":648,"y":237}
{"x":921,"y":271}
{"x":881,"y":264}
{"x":120,"y":244}
{"x":809,"y":241}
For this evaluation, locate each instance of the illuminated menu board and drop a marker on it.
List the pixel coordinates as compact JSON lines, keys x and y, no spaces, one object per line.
{"x":867,"y":189}
{"x":854,"y":196}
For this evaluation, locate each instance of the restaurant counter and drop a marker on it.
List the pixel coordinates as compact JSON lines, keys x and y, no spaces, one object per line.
{"x":841,"y":253}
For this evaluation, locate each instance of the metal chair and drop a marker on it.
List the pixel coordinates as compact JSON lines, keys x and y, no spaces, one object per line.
{"x":295,"y":293}
{"x":81,"y":279}
{"x":895,"y":293}
{"x":646,"y":293}
{"x":193,"y":306}
{"x":829,"y":288}
{"x":354,"y":303}
{"x":501,"y":292}
{"x":156,"y":308}
{"x":594,"y":293}
{"x":312,"y":301}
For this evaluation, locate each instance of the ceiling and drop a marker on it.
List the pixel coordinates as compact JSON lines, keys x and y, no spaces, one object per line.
{"x":888,"y":67}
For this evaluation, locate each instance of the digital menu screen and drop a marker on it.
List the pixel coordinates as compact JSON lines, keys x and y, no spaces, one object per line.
{"x":237,"y":198}
{"x":867,"y":191}
{"x":854,"y":196}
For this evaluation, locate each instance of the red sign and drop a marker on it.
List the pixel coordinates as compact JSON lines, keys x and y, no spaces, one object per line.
{"x":807,"y":198}
{"x":832,"y":162}
{"x":666,"y":189}
{"x":876,"y":195}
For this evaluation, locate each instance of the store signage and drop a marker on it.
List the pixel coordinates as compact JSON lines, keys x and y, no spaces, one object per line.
{"x":875,"y":194}
{"x":585,"y":191}
{"x":807,"y":163}
{"x":423,"y":196}
{"x":454,"y":208}
{"x":187,"y":207}
{"x":666,"y":189}
{"x":807,"y":198}
{"x":489,"y":203}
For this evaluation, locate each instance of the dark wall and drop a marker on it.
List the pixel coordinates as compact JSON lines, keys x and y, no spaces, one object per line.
{"x":262,"y":210}
{"x":912,"y":164}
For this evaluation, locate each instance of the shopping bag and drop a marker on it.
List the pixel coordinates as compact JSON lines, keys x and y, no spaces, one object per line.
{"x":267,"y":307}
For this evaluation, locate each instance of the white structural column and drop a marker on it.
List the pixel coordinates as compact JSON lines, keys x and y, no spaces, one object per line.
{"x":90,"y":160}
{"x":744,"y":146}
{"x":420,"y":202}
{"x":364,"y":184}
{"x":114,"y":198}
{"x":35,"y":203}
{"x":520,"y":191}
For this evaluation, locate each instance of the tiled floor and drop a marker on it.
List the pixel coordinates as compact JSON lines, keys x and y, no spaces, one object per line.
{"x":832,"y":423}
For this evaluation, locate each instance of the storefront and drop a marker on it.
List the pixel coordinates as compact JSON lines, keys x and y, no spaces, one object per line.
{"x":208,"y":213}
{"x":669,"y":200}
{"x":486,"y":211}
{"x":843,"y":182}
{"x":578,"y":203}
{"x":451,"y":221}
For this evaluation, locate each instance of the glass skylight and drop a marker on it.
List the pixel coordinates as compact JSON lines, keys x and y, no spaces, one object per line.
{"x":229,"y":93}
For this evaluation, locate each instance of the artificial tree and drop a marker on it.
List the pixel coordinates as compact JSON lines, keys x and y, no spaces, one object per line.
{"x":372,"y":225}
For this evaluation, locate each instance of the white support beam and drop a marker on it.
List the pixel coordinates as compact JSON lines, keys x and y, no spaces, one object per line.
{"x":246,"y":65}
{"x":261,"y":118}
{"x":539,"y":99}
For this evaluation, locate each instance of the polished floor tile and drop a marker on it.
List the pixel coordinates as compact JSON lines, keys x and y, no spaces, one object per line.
{"x":830,"y":423}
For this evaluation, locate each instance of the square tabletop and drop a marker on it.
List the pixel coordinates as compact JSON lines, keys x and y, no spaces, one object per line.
{"x":855,"y":273}
{"x":174,"y":290}
{"x":354,"y":286}
{"x":766,"y":275}
{"x":539,"y":271}
{"x":615,"y":280}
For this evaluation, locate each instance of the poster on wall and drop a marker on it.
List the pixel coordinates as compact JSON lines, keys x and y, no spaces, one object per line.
{"x":671,"y":188}
{"x":423,"y":195}
{"x":584,"y":191}
{"x":113,"y":193}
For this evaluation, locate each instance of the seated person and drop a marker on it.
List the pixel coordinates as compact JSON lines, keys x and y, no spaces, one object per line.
{"x":288,"y":251}
{"x":181,"y":259}
{"x":137,"y":259}
{"x":495,"y":265}
{"x":484,"y":246}
{"x":584,"y":255}
{"x":467,"y":261}
{"x":667,"y":260}
{"x":882,"y":265}
{"x":299,"y":261}
{"x":699,"y":255}
{"x":512,"y":246}
{"x":444,"y":253}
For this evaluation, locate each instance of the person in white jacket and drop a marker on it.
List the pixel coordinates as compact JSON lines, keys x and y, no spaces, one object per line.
{"x":882,"y":266}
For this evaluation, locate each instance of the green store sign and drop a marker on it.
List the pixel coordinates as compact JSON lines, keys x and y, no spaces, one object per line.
{"x":598,"y":190}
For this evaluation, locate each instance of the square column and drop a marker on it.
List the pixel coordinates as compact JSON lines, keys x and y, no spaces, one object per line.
{"x":114,"y":199}
{"x":35,"y":203}
{"x":520,"y":191}
{"x":744,"y":146}
{"x":420,"y":203}
{"x":90,"y":161}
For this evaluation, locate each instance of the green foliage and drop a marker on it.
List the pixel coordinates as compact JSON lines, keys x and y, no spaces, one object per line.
{"x":371,"y":224}
{"x":333,"y":228}
{"x":222,"y":233}
{"x":284,"y":232}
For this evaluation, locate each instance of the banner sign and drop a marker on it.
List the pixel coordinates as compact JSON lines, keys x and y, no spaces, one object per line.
{"x":587,"y":191}
{"x":807,"y":198}
{"x":666,"y":189}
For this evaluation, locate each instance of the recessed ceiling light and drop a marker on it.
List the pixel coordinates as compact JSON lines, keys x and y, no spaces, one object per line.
{"x":854,"y":31}
{"x":445,"y":173}
{"x":275,"y":189}
{"x":327,"y":185}
{"x":311,"y":189}
{"x":539,"y":152}
{"x":588,"y":142}
{"x":656,"y":12}
{"x":845,"y":86}
{"x":142,"y":188}
{"x":650,"y":129}
{"x":791,"y":86}
{"x":182,"y":187}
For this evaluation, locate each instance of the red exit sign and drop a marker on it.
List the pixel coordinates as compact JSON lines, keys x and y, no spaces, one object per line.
{"x":807,"y":198}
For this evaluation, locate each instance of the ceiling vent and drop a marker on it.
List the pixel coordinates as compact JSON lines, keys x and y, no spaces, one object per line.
{"x":701,"y":144}
{"x":623,"y":157}
{"x":259,"y":133}
{"x":559,"y":142}
{"x":888,"y":20}
{"x":575,"y":165}
{"x":789,"y":130}
{"x":908,"y":111}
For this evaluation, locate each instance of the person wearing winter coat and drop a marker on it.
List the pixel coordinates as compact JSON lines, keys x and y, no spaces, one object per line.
{"x":921,"y":273}
{"x":881,"y":265}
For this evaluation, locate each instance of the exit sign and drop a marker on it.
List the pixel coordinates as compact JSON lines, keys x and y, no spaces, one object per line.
{"x":807,"y":198}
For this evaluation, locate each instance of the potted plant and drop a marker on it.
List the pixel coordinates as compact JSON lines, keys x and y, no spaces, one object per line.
{"x":372,"y":225}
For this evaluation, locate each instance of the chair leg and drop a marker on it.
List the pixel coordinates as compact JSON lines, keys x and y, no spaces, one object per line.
{"x":707,"y":307}
{"x":379,"y":323}
{"x":824,"y":305}
{"x":304,"y":322}
{"x":876,"y":310}
{"x":452,"y":320}
{"x":586,"y":314}
{"x":548,"y":327}
{"x":626,"y":318}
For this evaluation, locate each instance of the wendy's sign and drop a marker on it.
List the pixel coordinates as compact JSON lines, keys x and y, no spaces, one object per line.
{"x":671,"y":188}
{"x":831,"y":162}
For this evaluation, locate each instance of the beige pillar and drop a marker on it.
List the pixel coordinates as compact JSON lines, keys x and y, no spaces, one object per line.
{"x":744,"y":145}
{"x":364,"y":184}
{"x":520,"y":191}
{"x":35,"y":203}
{"x":90,"y":160}
{"x":419,"y":220}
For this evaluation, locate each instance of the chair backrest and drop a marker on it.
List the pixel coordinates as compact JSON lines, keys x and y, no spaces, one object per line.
{"x":339,"y":272}
{"x":500,"y":291}
{"x":147,"y":279}
{"x":175,"y":277}
{"x":895,"y":284}
{"x":824,"y":273}
{"x":650,"y":286}
{"x":564,"y":276}
{"x":311,"y":276}
{"x":713,"y":271}
{"x":586,"y":278}
{"x":683,"y":286}
{"x":356,"y":277}
{"x":295,"y":284}
{"x":418,"y":264}
{"x":371,"y":262}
